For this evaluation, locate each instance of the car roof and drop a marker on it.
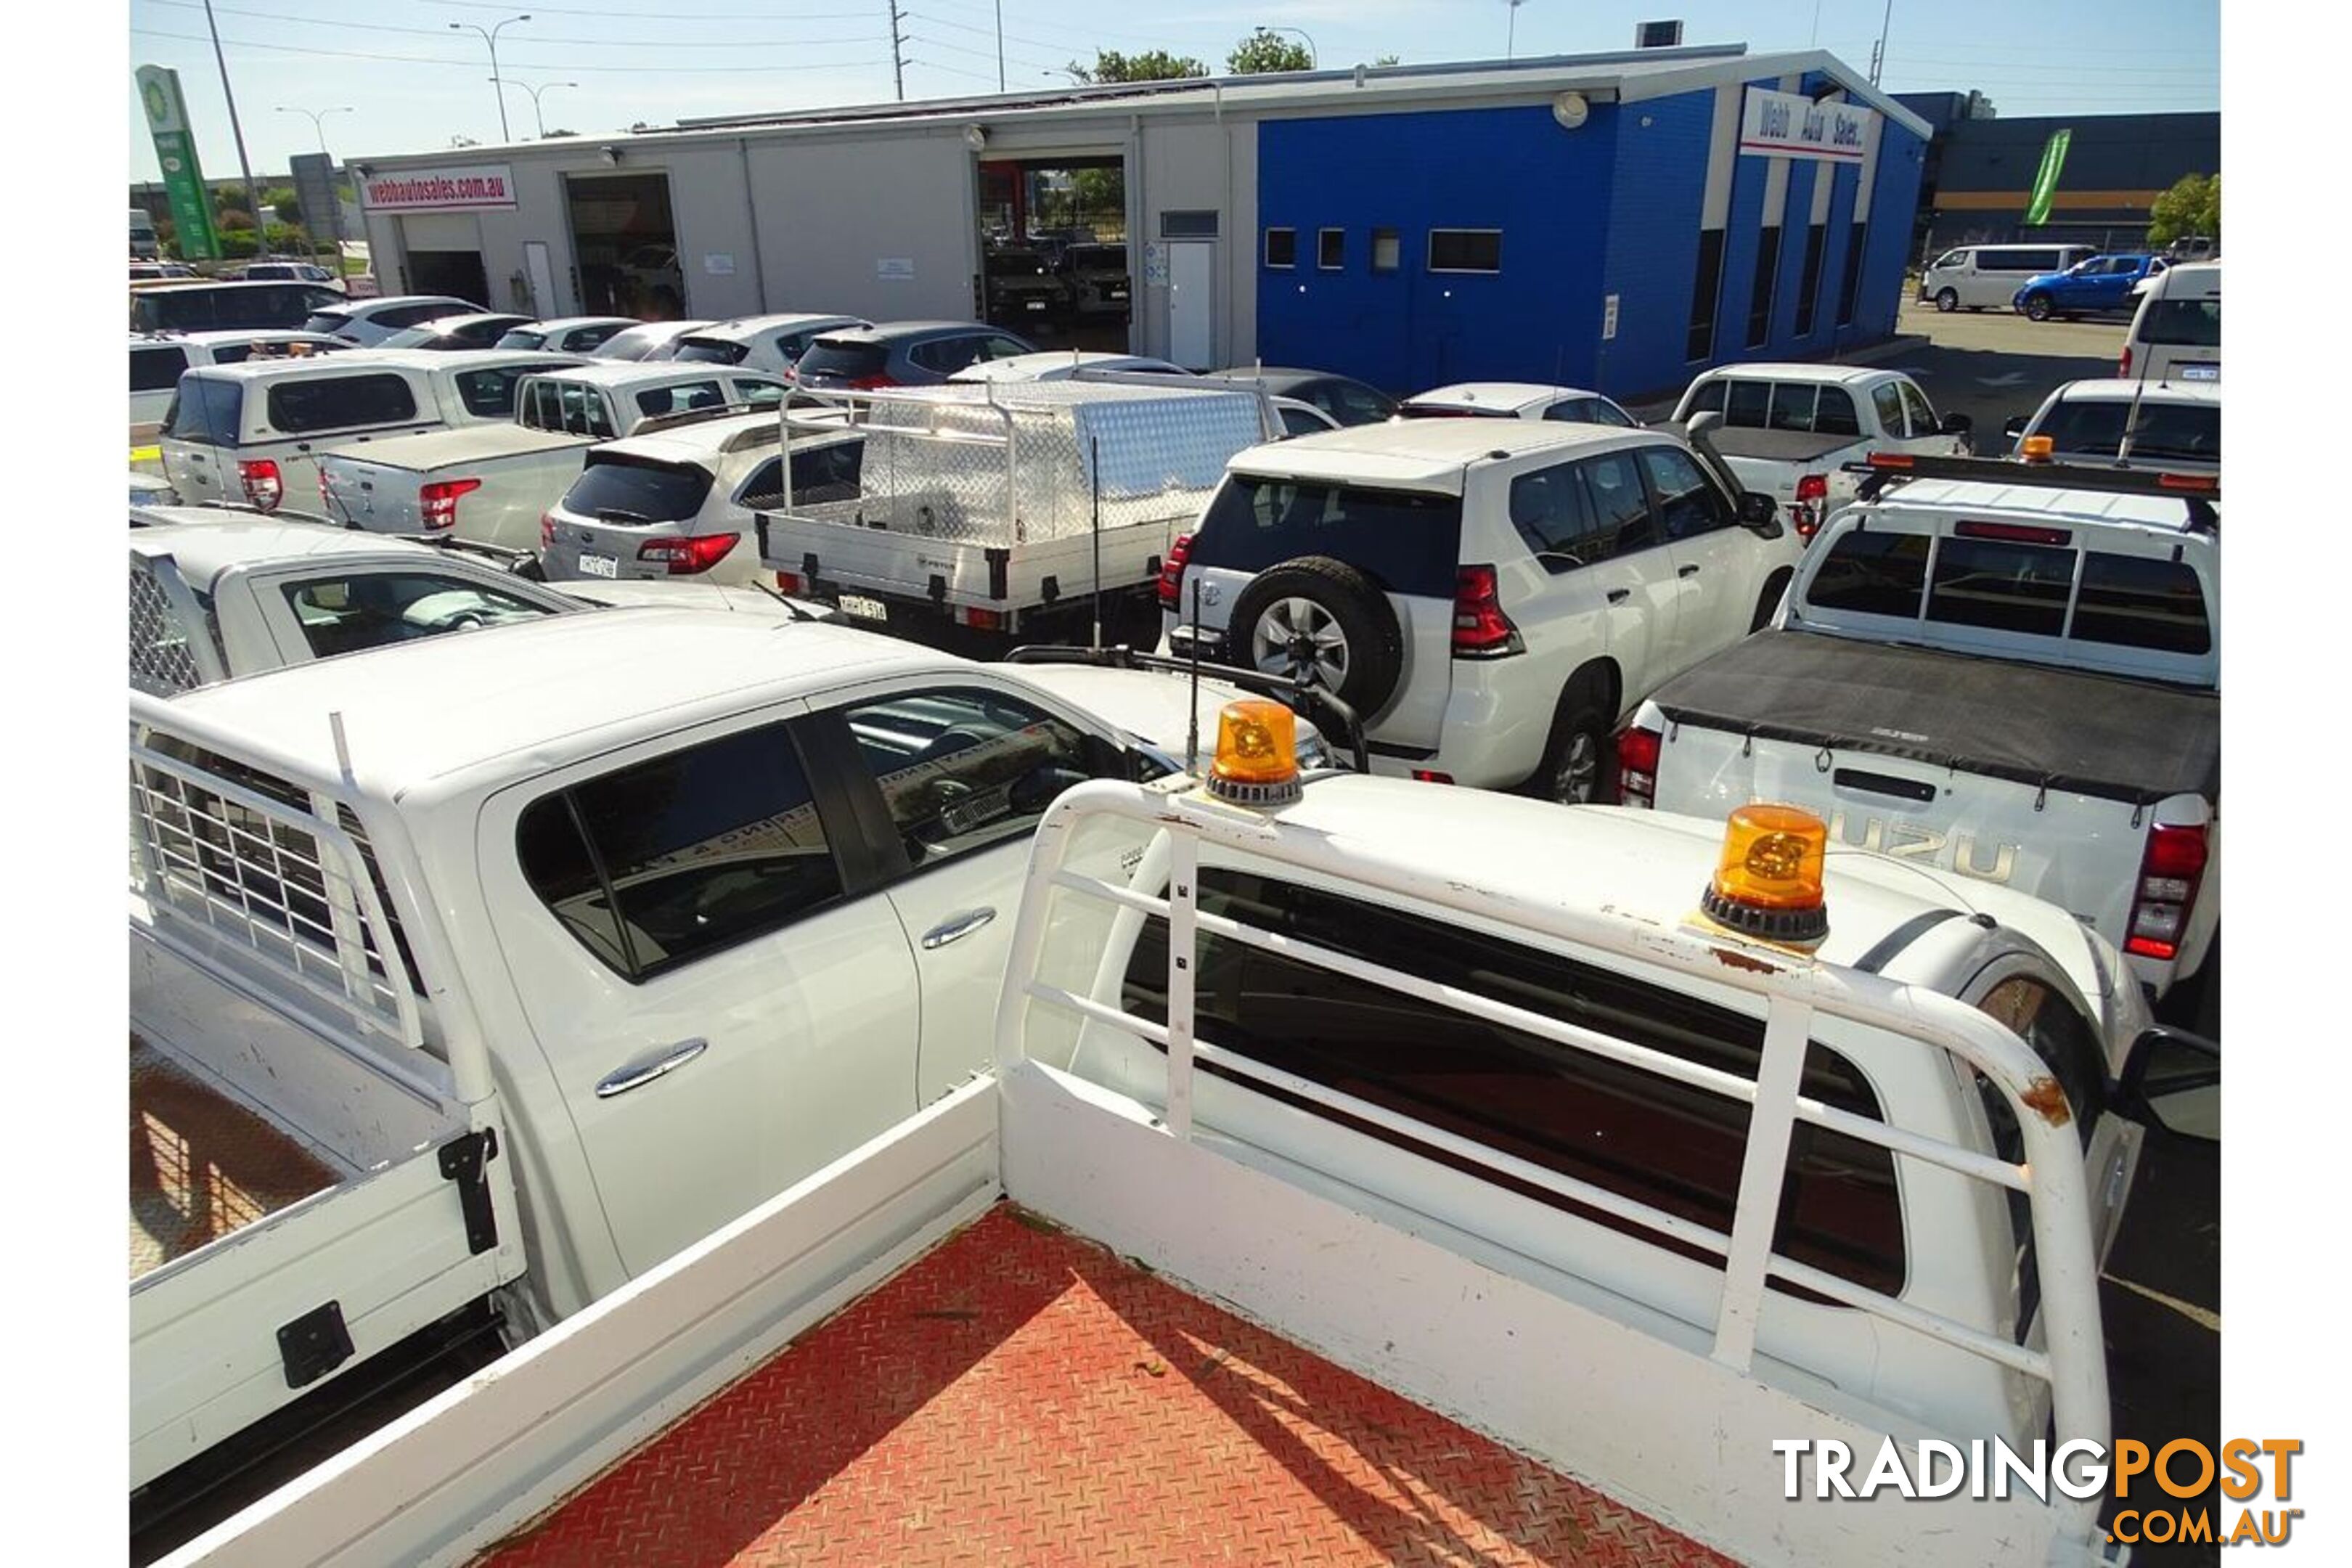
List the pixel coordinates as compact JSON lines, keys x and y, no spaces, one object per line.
{"x":899,"y":331}
{"x":622,"y":373}
{"x":662,"y":329}
{"x":425,"y":710}
{"x":451,"y":323}
{"x":742,"y":326}
{"x":1494,"y":395}
{"x":211,"y":337}
{"x":206,"y":549}
{"x":2178,"y":392}
{"x":1830,"y":375}
{"x":1429,"y":454}
{"x":353,"y":360}
{"x":568,"y":323}
{"x":698,"y":439}
{"x":1276,"y":377}
{"x":181,"y":285}
{"x":1648,"y":866}
{"x":1023,"y":367}
{"x":2039,"y":504}
{"x":387,"y":301}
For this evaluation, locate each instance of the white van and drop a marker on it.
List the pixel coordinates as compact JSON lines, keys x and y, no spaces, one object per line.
{"x":1974,"y":276}
{"x":2176,"y":335}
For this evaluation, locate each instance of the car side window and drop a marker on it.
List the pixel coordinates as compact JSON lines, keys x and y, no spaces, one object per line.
{"x":961,"y":769}
{"x":1619,"y":507}
{"x":346,"y":614}
{"x":1690,"y":504}
{"x":1353,"y":404}
{"x":157,"y":369}
{"x":679,"y":398}
{"x":1001,"y":348}
{"x":1915,"y":403}
{"x":758,"y":394}
{"x":2038,"y":1014}
{"x":489,"y":394}
{"x":1633,"y":1133}
{"x":1888,"y":403}
{"x":1300,"y":422}
{"x":1600,"y":411}
{"x":1833,"y":412}
{"x":665,"y":861}
{"x":1549,"y":509}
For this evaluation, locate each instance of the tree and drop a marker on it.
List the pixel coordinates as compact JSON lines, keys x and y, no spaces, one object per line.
{"x":2191,"y":207}
{"x":282,"y":201}
{"x":1264,"y":52}
{"x":1155,"y":64}
{"x":558,"y":131}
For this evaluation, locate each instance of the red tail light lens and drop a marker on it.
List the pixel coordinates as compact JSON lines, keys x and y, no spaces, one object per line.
{"x":547,"y":531}
{"x":2123,"y":366}
{"x":436,"y":503}
{"x":2170,"y":871}
{"x":264,"y":485}
{"x":1431,"y":775}
{"x":1637,"y":765}
{"x":870,"y":382}
{"x":1812,"y":500}
{"x":788,"y":582}
{"x":1481,"y":630}
{"x":1171,"y":573}
{"x":983,"y":620}
{"x":685,"y":557}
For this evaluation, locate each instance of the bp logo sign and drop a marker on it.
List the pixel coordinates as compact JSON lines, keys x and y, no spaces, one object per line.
{"x":159,"y":104}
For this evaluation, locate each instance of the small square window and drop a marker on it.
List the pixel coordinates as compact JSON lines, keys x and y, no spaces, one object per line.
{"x":1387,"y":252}
{"x":1282,"y":248}
{"x":1190,"y":222}
{"x":1466,"y":250}
{"x":1331,"y":249}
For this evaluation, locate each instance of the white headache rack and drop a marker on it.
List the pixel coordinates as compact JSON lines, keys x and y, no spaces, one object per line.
{"x":1000,"y":466}
{"x":1792,"y":994}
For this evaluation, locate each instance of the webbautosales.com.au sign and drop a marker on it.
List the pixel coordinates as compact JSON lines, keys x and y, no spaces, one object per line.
{"x":428,"y":190}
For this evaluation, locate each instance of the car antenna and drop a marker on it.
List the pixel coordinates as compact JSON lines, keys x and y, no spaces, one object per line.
{"x":1193,"y":707}
{"x":2131,"y":421}
{"x":1093,"y":477}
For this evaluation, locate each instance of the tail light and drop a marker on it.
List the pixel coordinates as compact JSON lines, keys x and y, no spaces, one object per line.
{"x":1812,"y":500}
{"x":2123,"y":366}
{"x":1637,"y":765}
{"x":788,"y":582}
{"x":264,"y":485}
{"x":981,"y":620}
{"x":870,"y":382}
{"x":684,"y":557}
{"x":547,"y":531}
{"x":1481,"y":630}
{"x":2170,"y":872}
{"x":1171,"y":573}
{"x":1431,"y":775}
{"x":437,"y":502}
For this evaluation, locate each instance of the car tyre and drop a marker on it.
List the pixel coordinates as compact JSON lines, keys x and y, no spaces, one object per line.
{"x":2037,"y":307}
{"x":1576,"y":760}
{"x":1320,"y":613}
{"x":1948,"y":300}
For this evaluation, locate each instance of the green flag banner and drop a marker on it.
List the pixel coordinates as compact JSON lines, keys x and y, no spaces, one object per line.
{"x":176,"y":151}
{"x":2045,"y":179}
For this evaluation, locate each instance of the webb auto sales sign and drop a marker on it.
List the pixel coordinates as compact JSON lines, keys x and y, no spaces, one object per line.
{"x":474,"y":186}
{"x":1791,"y":125}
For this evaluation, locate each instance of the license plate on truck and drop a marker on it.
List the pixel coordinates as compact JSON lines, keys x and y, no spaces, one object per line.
{"x":863,"y":608}
{"x":1036,"y":304}
{"x":2201,"y":373}
{"x":599,"y":566}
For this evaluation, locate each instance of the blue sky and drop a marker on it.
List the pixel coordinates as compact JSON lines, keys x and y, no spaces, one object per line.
{"x":412,"y":82}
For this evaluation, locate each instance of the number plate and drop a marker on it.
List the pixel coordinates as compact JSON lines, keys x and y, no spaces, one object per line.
{"x":2201,"y":373}
{"x":1036,"y":304}
{"x":863,"y":608}
{"x":1118,"y":293}
{"x":598,"y":565}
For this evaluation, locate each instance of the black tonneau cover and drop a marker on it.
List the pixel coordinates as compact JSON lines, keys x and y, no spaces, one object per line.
{"x":2103,"y":735}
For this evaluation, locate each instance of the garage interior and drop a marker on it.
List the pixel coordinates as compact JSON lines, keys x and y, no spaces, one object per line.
{"x":624,"y":247}
{"x":456,"y":273}
{"x":1054,"y":251}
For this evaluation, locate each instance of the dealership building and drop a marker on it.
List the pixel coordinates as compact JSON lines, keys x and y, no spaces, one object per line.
{"x":1619,"y":221}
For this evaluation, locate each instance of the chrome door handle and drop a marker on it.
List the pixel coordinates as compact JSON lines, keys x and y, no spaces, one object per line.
{"x":1688,"y":572}
{"x":956,"y":927}
{"x":644,"y":1069}
{"x":1619,"y":595}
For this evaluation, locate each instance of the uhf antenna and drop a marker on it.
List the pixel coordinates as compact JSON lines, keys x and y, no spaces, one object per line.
{"x":1095,"y":444}
{"x":1192,"y":727}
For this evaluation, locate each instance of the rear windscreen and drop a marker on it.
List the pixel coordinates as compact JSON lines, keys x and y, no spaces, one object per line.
{"x":2122,"y":601}
{"x":340,"y":403}
{"x":844,"y":361}
{"x":204,"y":410}
{"x":2133,"y":601}
{"x":242,"y":305}
{"x":522,"y":338}
{"x":1407,"y":542}
{"x":2162,"y":430}
{"x":327,"y":321}
{"x":614,"y":488}
{"x":711,"y":351}
{"x":1872,"y":573}
{"x":2183,"y":323}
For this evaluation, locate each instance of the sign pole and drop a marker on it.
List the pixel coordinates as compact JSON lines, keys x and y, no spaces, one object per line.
{"x":252,"y":194}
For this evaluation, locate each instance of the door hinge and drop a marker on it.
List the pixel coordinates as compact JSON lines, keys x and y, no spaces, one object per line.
{"x":314,"y":1344}
{"x":462,"y":1160}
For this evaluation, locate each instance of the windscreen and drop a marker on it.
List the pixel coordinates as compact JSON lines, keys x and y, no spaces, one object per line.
{"x":616,"y":487}
{"x":1015,"y":264}
{"x":2191,"y":432}
{"x":1407,"y":541}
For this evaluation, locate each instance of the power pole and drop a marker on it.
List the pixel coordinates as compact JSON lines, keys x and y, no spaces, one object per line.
{"x":1000,"y":45}
{"x":252,"y":194}
{"x":1878,"y":50}
{"x":898,"y":51}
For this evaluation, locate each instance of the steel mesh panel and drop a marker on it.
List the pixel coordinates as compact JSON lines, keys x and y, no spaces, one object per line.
{"x":160,"y":663}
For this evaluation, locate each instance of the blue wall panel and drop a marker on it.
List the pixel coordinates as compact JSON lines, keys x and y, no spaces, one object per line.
{"x":1654,"y":239}
{"x":1894,"y":202}
{"x":1512,"y":169}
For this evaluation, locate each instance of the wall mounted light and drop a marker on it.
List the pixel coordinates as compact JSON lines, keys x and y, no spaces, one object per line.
{"x":612,"y":153}
{"x":975,"y":136}
{"x":1570,"y":109}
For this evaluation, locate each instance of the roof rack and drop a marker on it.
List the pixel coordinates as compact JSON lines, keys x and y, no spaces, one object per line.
{"x":2198,"y":492}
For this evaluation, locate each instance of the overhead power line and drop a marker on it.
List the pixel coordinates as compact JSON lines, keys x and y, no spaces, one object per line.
{"x":340,"y":25}
{"x":445,"y":60}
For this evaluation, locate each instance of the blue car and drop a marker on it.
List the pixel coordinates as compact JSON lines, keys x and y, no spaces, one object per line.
{"x":2102,"y":283}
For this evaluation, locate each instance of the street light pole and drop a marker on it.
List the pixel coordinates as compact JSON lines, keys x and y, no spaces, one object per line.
{"x":536,"y":114}
{"x":489,"y":37}
{"x":1314,"y":55}
{"x":316,"y":117}
{"x":1511,"y":37}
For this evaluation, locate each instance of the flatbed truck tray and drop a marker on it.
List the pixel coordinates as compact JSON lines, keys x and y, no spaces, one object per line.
{"x":1020,"y":1394}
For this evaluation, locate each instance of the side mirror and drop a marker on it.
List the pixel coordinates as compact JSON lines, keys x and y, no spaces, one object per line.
{"x":2016,"y":426}
{"x":1759,"y":515}
{"x":1957,"y":425}
{"x":2172,"y":1079}
{"x":1702,"y":422}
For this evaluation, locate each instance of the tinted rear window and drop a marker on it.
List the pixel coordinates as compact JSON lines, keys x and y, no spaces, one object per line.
{"x":712,"y":350}
{"x":340,"y":403}
{"x":2134,"y":602}
{"x":156,"y":370}
{"x":489,"y":394}
{"x":1872,"y":573}
{"x":327,"y":321}
{"x":2183,"y":323}
{"x":844,"y":361}
{"x":197,"y":309}
{"x":2004,"y":586}
{"x":1778,"y":405}
{"x":1407,"y":542}
{"x":206,"y":410}
{"x":522,"y":338}
{"x":2163,"y":430}
{"x":621,"y":488}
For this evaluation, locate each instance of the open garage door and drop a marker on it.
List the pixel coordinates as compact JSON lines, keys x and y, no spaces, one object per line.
{"x":456,"y":273}
{"x":1054,"y":250}
{"x":624,"y":245}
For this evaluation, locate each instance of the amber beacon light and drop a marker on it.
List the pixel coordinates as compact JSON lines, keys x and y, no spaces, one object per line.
{"x":1258,"y":758}
{"x":1768,"y":880}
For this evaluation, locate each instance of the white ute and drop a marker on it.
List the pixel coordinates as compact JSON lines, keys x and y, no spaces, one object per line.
{"x":2004,"y":669}
{"x":492,"y":970}
{"x":1458,"y":1092}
